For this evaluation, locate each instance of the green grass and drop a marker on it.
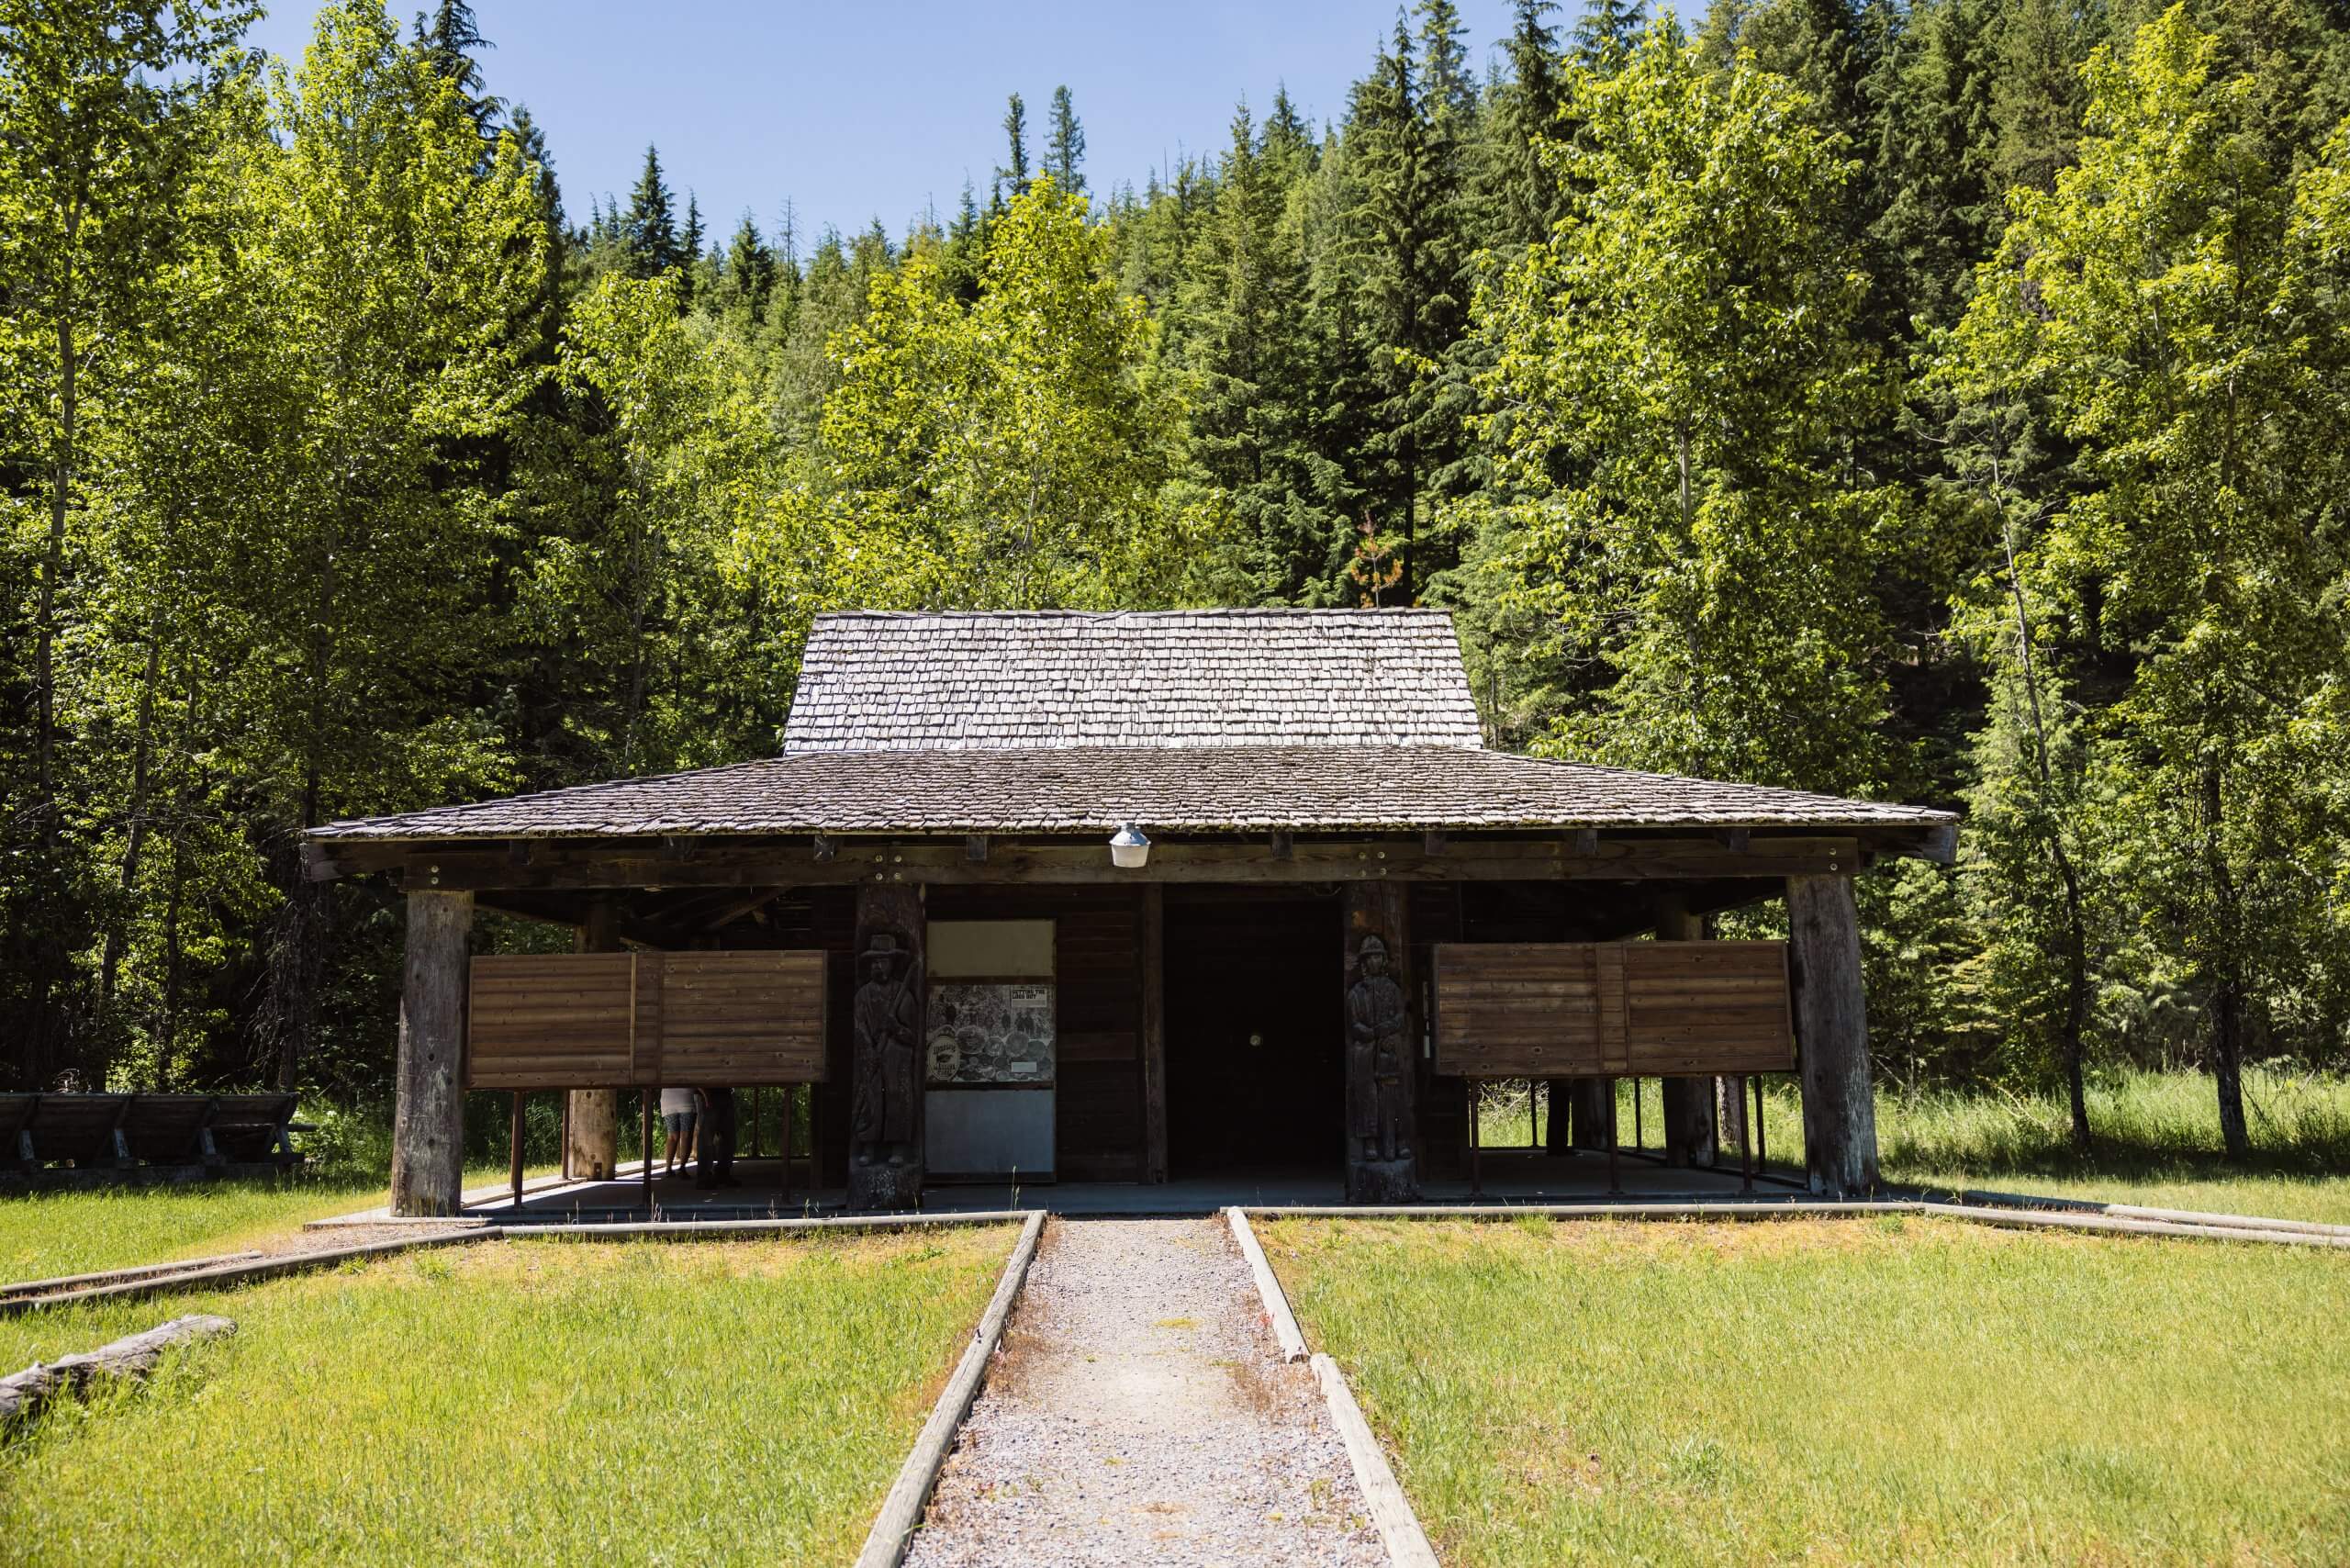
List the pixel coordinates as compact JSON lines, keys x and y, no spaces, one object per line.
{"x":44,"y":1235}
{"x":511,"y":1401}
{"x":1881,"y":1391}
{"x":2157,"y":1140}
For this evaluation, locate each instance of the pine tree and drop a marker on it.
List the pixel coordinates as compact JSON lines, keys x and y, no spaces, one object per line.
{"x":1408,"y":147}
{"x":1014,"y":173}
{"x":1606,"y":32}
{"x":1064,"y":146}
{"x":448,"y":43}
{"x":691,"y":261}
{"x":748,"y":277}
{"x":1241,"y":319}
{"x":650,"y":230}
{"x":1518,"y":198}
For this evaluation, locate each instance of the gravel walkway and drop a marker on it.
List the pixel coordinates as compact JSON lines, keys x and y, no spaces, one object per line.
{"x":1140,"y":1412}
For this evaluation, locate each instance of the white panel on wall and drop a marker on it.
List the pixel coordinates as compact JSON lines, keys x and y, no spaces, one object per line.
{"x":992,"y":949}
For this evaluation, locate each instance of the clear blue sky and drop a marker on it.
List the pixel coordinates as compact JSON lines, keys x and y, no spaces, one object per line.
{"x":857,"y":110}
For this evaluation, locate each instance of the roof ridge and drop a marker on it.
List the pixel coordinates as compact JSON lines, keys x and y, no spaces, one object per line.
{"x":1235,"y":611}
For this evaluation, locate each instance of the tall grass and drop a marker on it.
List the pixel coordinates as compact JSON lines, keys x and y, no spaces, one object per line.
{"x":2139,"y":1119}
{"x":511,"y":1402}
{"x":1856,"y":1390}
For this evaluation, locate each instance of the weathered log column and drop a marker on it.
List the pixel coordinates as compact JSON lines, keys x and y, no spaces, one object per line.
{"x":427,"y":1119}
{"x":1832,"y":1033}
{"x":591,"y":1145}
{"x":1688,"y":1102}
{"x":885,"y":1160}
{"x":1586,"y":1111}
{"x":1382,"y":1047}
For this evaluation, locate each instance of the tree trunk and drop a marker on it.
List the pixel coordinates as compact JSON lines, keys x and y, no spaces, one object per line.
{"x":135,"y":838}
{"x":591,"y":1147}
{"x":2227,"y":976}
{"x":1688,"y":1102}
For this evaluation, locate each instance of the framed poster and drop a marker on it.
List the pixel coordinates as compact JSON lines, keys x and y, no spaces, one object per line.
{"x":990,"y":1031}
{"x":989,"y":1050}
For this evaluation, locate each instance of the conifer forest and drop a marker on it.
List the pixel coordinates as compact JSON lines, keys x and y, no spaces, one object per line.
{"x":1935,"y":400}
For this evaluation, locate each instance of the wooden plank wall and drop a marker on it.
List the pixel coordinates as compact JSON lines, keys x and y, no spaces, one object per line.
{"x":822,"y":920}
{"x":552,"y":1020}
{"x":1542,"y":1010}
{"x":571,"y":1020}
{"x":1098,"y":1121}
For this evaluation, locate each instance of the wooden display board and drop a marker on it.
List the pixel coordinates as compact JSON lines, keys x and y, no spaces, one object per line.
{"x":1612,"y":1009}
{"x":605,"y":1020}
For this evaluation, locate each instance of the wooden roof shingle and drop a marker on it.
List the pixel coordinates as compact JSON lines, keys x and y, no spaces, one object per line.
{"x":887,"y":681}
{"x":1165,"y":788}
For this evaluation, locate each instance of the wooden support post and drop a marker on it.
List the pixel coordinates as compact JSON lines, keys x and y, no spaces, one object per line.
{"x":591,"y":1129}
{"x":885,"y":1162}
{"x":1689,"y":1137}
{"x":1154,"y":1031}
{"x":1381,"y":1044}
{"x":514,"y":1152}
{"x":427,"y":1118}
{"x":790,"y":1096}
{"x":1476,"y":1141}
{"x":647,"y":1097}
{"x":1615,"y":1181}
{"x":1832,"y":1036}
{"x":1591,"y":1112}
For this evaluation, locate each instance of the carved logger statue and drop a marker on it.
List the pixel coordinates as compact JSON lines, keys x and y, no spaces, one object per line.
{"x":1378,"y":1075}
{"x":882,"y":1120}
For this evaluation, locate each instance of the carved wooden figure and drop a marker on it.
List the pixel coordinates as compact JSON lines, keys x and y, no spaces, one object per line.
{"x":1382,"y":1059}
{"x":885,"y":1105}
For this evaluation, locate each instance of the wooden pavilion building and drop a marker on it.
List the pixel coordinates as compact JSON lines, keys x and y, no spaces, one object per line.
{"x":1108,"y":897}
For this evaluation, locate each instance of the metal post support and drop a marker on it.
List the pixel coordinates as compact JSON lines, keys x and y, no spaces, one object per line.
{"x":647,"y":1096}
{"x":514,"y":1151}
{"x":1761,"y":1147}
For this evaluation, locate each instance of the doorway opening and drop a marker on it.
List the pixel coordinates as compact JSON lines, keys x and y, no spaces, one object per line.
{"x":1256,"y":1053}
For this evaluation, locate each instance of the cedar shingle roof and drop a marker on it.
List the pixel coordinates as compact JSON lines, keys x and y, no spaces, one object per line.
{"x":875,"y":681}
{"x":1168,"y":788}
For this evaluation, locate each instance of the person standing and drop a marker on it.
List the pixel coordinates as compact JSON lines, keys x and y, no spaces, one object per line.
{"x":714,"y":1150}
{"x":677,"y":1117}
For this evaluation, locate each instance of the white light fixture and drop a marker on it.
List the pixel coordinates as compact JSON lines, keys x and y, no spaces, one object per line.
{"x":1129,"y":850}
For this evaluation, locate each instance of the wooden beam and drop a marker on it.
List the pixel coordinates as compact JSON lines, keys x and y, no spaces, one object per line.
{"x":975,"y":848}
{"x":1832,"y":1033}
{"x":717,"y":864}
{"x":1284,"y":844}
{"x":826,"y":848}
{"x":428,"y":1116}
{"x":1432,"y":843}
{"x":1154,"y":1031}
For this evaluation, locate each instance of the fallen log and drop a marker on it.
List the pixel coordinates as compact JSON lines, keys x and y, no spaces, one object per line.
{"x":72,"y":1376}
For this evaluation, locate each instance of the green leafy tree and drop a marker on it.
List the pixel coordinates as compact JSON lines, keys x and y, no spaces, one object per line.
{"x":1688,"y":384}
{"x":2177,"y":301}
{"x":1011,"y":453}
{"x":101,"y":106}
{"x":379,"y":276}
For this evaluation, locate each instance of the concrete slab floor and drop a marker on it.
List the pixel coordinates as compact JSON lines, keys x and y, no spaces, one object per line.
{"x":1507,"y":1178}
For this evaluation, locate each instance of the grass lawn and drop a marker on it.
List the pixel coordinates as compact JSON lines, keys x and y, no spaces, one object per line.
{"x":2157,"y":1140}
{"x":1856,"y":1390}
{"x":43,"y":1234}
{"x":511,"y":1402}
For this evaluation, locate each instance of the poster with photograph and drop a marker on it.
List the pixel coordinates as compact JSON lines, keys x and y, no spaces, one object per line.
{"x":990,"y":1032}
